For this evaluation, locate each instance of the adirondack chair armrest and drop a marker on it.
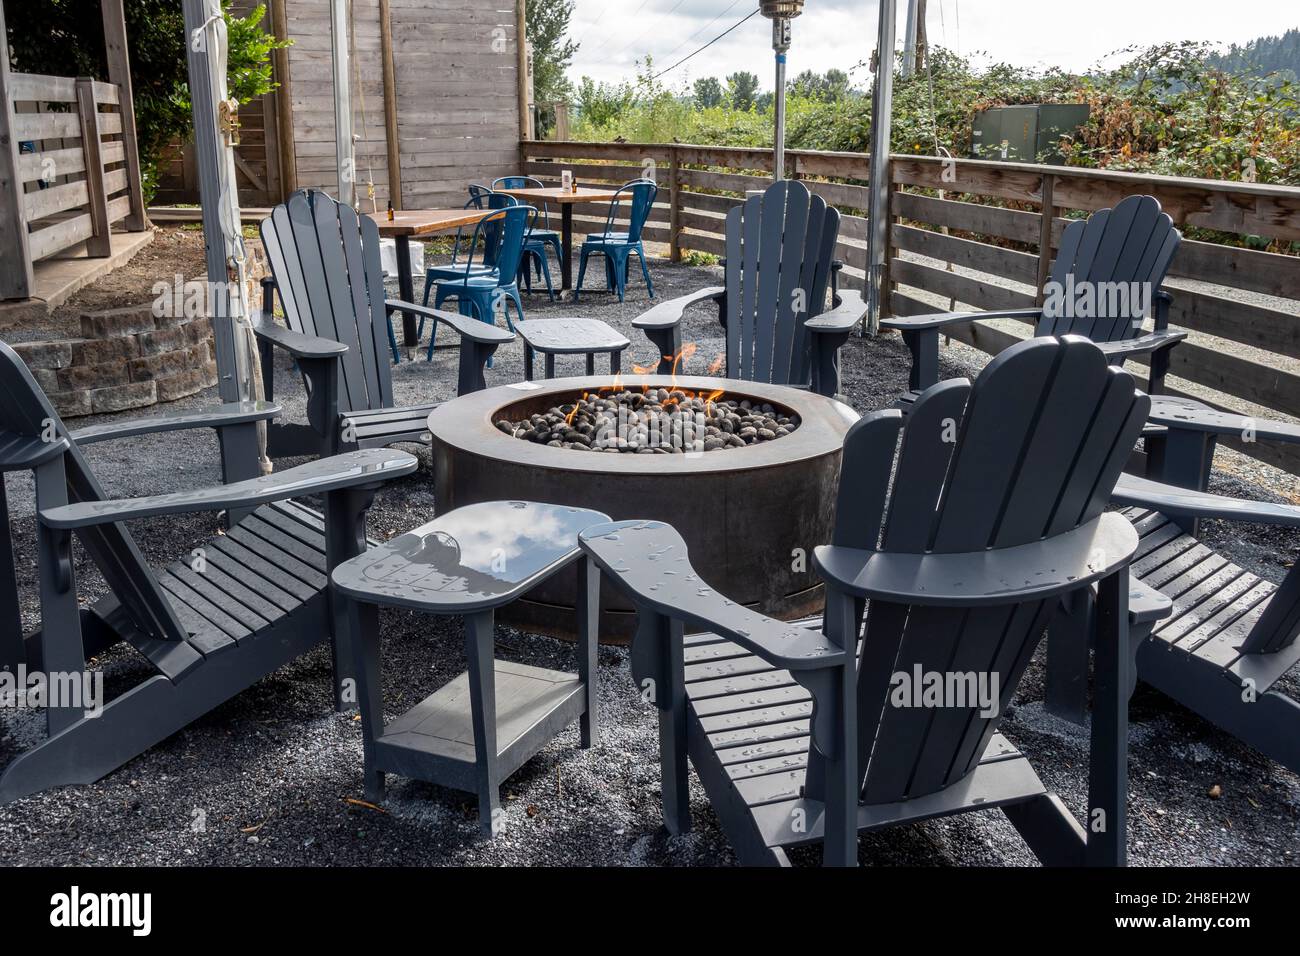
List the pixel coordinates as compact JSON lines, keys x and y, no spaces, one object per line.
{"x":1034,"y":571}
{"x":634,"y":555}
{"x":1146,"y":605}
{"x":1187,"y":414}
{"x":668,"y":314}
{"x":467,"y":327}
{"x":937,"y":320}
{"x":350,"y":470}
{"x":216,"y":416}
{"x":1185,"y":502}
{"x":295,"y":343}
{"x":1142,"y":345}
{"x":849,"y":310}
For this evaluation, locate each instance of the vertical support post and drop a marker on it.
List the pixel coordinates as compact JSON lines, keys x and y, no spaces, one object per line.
{"x":11,"y":623}
{"x":62,"y":650}
{"x":780,"y":44}
{"x":886,"y":269}
{"x":345,"y":538}
{"x":210,"y":155}
{"x":479,"y":637}
{"x":363,"y":619}
{"x":15,"y":253}
{"x":909,"y":41}
{"x":588,"y":636}
{"x":672,"y":725}
{"x":100,"y":242}
{"x":390,"y":104}
{"x":674,"y":206}
{"x":1047,"y":212}
{"x":284,"y":102}
{"x":1107,"y":823}
{"x":119,"y":74}
{"x":882,"y":101}
{"x":344,"y":152}
{"x":523,"y":71}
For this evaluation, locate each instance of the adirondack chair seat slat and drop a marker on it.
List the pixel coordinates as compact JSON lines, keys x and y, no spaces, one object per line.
{"x":998,"y":781}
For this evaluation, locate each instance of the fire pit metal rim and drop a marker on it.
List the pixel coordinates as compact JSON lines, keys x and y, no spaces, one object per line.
{"x":466,"y":423}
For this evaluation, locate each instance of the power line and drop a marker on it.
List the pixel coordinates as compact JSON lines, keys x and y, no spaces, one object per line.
{"x":707,"y":45}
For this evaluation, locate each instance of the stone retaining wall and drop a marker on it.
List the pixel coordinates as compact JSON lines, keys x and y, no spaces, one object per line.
{"x":126,"y":358}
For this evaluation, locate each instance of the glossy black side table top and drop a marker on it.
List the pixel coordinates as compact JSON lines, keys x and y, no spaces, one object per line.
{"x":477,"y":557}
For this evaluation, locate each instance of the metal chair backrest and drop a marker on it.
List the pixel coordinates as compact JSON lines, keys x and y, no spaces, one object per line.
{"x":503,"y":233}
{"x":641,"y":193}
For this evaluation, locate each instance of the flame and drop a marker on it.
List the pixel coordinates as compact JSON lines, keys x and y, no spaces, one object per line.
{"x":716,"y":365}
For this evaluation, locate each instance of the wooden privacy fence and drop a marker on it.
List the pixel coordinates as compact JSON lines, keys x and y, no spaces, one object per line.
{"x":971,"y":234}
{"x":68,"y":175}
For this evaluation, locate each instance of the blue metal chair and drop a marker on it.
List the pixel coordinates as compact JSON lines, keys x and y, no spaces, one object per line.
{"x":540,"y":239}
{"x":490,"y":247}
{"x":478,"y":196}
{"x":617,"y":247}
{"x":477,"y":295}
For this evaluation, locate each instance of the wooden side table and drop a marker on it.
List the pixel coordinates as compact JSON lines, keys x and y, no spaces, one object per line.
{"x":482,"y":726}
{"x":554,"y":337}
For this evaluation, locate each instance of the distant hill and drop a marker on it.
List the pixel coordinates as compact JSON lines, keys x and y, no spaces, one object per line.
{"x":1262,"y":56}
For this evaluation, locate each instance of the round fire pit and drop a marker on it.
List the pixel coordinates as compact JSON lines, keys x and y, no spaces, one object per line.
{"x":750,"y":515}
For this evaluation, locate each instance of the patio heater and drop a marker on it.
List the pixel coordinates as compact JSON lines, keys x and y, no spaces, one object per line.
{"x":780,"y":12}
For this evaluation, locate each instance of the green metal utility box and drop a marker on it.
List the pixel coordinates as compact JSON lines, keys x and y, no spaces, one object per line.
{"x":1025,"y":134}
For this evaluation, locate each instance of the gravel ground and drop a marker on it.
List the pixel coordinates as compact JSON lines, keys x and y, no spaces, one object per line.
{"x":272,"y":776}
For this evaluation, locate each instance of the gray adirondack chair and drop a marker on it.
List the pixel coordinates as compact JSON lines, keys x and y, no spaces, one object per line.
{"x":326,"y":266}
{"x":1231,"y":637}
{"x":1132,"y":243}
{"x":257,"y":600}
{"x":996,"y":512}
{"x":780,"y":252}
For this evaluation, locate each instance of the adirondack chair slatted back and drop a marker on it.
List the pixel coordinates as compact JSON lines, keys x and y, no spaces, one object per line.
{"x":1107,"y":269}
{"x":327,"y":269}
{"x":780,"y":247}
{"x":1032,"y":450}
{"x":26,"y":412}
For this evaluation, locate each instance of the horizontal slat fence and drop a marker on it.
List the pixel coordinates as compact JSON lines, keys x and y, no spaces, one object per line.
{"x":971,"y":234}
{"x":72,"y":182}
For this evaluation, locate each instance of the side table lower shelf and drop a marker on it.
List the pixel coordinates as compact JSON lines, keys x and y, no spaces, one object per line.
{"x":435,"y":738}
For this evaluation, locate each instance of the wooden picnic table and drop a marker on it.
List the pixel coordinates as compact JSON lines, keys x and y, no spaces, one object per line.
{"x":566,"y":200}
{"x":408,"y":223}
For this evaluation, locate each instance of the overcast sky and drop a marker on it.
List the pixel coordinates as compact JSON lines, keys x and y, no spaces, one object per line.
{"x":613,"y":34}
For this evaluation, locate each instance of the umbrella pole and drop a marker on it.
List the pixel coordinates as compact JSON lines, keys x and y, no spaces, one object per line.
{"x":226,"y":295}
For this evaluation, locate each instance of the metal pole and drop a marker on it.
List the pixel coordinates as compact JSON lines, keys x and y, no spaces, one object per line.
{"x":343,"y":144}
{"x":882,"y":101}
{"x":909,"y":41}
{"x":780,"y":44}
